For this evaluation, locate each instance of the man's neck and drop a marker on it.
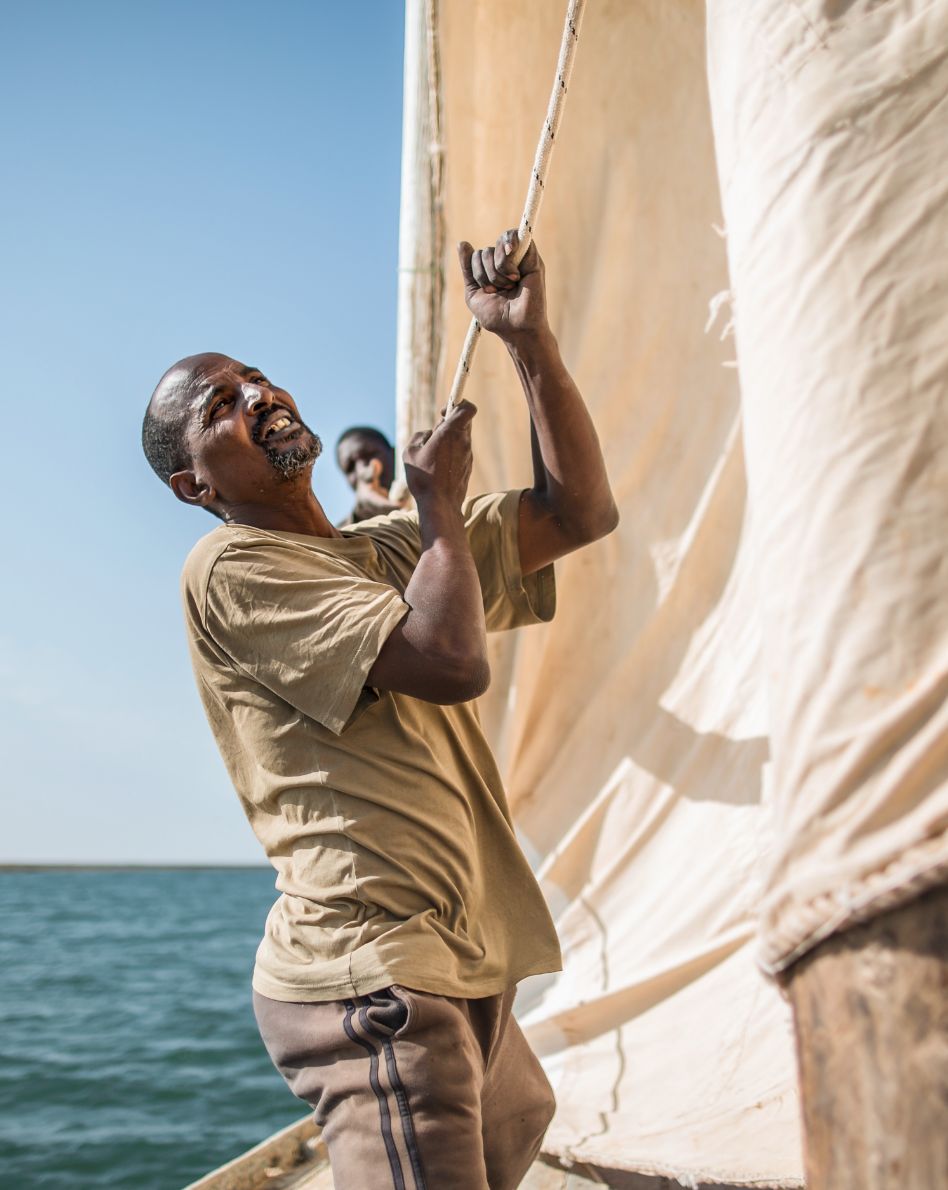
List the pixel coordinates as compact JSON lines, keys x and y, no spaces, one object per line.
{"x":299,"y":512}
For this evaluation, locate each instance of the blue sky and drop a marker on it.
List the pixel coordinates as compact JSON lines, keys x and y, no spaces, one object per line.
{"x":178,"y":177}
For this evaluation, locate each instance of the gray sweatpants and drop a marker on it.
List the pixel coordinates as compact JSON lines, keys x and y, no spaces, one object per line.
{"x":414,"y":1091}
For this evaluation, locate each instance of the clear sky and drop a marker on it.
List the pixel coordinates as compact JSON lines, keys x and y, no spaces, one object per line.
{"x":177,"y":177}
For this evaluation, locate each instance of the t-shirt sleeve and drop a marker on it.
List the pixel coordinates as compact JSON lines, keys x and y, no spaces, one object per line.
{"x":510,"y":599}
{"x":301,"y":626}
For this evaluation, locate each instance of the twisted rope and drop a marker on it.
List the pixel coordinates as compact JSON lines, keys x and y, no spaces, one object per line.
{"x":541,"y":165}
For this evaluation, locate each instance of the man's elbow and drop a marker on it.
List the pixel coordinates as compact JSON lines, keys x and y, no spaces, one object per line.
{"x":463,"y":679}
{"x":609,"y":520}
{"x":596,"y":524}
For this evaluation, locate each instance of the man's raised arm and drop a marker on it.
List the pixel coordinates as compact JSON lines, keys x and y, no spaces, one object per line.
{"x":570,"y":503}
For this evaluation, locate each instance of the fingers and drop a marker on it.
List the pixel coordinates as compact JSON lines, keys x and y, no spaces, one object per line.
{"x":481,"y":279}
{"x":496,"y":278}
{"x":462,"y":414}
{"x":465,"y":252}
{"x":438,"y":463}
{"x":504,"y":252}
{"x":486,"y":273}
{"x":459,"y":418}
{"x":531,"y":263}
{"x":490,"y":269}
{"x":502,"y":263}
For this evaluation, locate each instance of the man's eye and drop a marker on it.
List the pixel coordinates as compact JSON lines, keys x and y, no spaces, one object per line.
{"x":221,"y":405}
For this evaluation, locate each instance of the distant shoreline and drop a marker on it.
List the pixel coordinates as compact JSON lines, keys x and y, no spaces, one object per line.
{"x":150,"y":867}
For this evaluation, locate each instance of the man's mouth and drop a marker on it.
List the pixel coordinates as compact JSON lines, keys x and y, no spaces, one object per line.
{"x":278,"y":426}
{"x":290,"y":446}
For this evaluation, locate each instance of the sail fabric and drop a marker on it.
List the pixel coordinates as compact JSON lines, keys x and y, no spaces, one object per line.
{"x":632,"y":731}
{"x":831,"y":124}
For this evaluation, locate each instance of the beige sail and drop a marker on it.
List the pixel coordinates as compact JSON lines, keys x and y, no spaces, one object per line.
{"x":631,"y":731}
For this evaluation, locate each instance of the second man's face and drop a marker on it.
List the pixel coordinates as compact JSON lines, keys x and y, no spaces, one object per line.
{"x":366,"y":459}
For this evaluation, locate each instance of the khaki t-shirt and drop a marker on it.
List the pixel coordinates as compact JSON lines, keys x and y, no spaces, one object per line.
{"x":384,"y":815}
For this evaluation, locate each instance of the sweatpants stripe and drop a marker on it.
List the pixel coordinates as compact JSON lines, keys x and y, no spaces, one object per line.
{"x":404,"y":1110}
{"x":401,"y":1099}
{"x":385,"y":1116}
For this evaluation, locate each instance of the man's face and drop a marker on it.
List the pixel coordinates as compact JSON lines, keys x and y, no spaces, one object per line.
{"x":366,"y":459}
{"x":245,"y":434}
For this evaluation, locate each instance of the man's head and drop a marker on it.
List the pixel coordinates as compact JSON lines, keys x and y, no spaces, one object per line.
{"x":223,"y":437}
{"x":365,"y":456}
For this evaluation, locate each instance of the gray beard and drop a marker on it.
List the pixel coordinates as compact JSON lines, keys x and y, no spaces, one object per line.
{"x":289,"y":463}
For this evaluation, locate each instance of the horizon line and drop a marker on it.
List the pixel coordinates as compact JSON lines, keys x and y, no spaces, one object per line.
{"x":128,"y":866}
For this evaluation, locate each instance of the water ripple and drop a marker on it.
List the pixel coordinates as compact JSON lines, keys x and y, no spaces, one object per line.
{"x":128,"y":1052}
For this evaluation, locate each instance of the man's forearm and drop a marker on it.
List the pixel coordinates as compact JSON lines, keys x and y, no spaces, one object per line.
{"x":446,"y":621}
{"x":438,"y":650}
{"x":569,"y":472}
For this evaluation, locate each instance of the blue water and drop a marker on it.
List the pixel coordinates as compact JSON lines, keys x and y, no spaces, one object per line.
{"x":128,"y":1051}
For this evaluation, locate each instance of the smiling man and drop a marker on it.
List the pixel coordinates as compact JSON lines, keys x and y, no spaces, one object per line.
{"x":337,"y":670}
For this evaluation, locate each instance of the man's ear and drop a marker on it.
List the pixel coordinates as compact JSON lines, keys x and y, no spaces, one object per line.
{"x":190,"y":490}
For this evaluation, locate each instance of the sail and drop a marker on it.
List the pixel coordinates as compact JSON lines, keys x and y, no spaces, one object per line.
{"x":631,"y":731}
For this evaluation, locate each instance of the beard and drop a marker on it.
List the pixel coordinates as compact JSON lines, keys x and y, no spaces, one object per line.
{"x":290,"y":462}
{"x":304,"y":452}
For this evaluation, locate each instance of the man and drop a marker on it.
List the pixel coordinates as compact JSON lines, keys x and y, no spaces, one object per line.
{"x":367,"y":460}
{"x":337,"y":669}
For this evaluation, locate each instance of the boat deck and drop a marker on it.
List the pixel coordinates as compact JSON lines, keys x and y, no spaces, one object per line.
{"x":296,"y":1159}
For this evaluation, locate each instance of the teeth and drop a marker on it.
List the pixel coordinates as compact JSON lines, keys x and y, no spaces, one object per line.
{"x":280,"y":424}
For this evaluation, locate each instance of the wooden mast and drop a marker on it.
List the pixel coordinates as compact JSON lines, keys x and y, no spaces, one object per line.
{"x":421,"y":229}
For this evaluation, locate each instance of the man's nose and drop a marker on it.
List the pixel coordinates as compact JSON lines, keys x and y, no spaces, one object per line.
{"x":256,"y":398}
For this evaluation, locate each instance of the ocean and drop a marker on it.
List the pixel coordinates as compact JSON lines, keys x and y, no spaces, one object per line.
{"x":129,"y":1056}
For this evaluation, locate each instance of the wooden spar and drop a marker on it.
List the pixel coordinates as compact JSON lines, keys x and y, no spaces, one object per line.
{"x":421,"y":229}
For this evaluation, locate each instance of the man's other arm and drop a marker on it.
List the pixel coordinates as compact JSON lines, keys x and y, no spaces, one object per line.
{"x":571,"y":502}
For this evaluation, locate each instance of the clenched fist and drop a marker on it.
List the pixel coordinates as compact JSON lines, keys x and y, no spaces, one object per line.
{"x":438,"y":462}
{"x":506,"y":299}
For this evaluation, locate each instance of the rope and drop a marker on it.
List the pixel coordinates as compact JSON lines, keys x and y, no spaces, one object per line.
{"x":541,"y":166}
